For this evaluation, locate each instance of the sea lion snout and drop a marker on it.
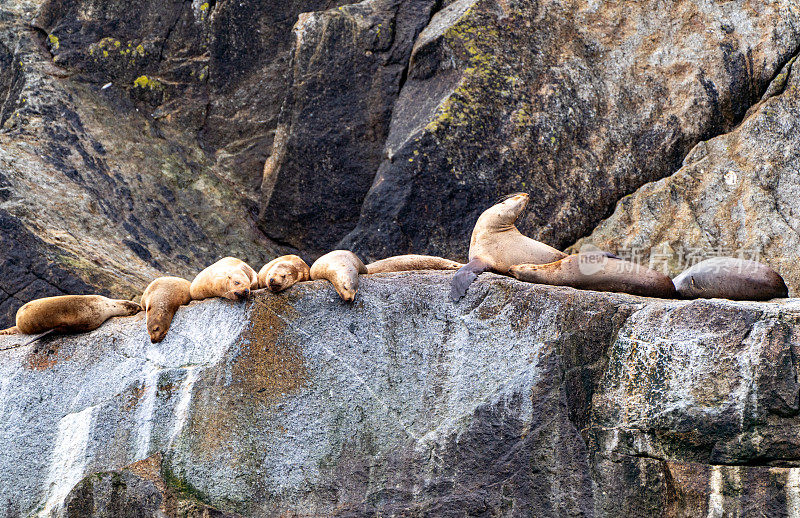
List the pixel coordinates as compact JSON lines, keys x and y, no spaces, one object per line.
{"x":242,"y":294}
{"x":276,"y":283}
{"x":157,"y":333}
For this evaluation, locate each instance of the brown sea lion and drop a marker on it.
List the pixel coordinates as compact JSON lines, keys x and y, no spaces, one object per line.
{"x":599,"y":271}
{"x":405,"y":263}
{"x":496,"y":245}
{"x":229,"y":277}
{"x":69,"y":314}
{"x":341,"y":268}
{"x":730,"y":278}
{"x":160,"y":300}
{"x":283,"y":272}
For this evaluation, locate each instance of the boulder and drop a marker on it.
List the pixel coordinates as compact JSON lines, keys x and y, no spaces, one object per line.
{"x":522,"y":399}
{"x":578,"y":104}
{"x":735,"y":195}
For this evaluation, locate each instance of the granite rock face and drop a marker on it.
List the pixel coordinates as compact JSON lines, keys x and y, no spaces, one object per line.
{"x":348,"y":65}
{"x":521,"y":400}
{"x":577,"y":103}
{"x":736,"y":194}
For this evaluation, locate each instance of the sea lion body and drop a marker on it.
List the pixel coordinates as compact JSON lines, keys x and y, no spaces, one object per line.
{"x":405,"y":263}
{"x":70,"y":314}
{"x":497,"y":245}
{"x":598,"y":271}
{"x":283,"y":272}
{"x":341,"y":268}
{"x":160,"y":300}
{"x":730,"y":278}
{"x":229,"y":277}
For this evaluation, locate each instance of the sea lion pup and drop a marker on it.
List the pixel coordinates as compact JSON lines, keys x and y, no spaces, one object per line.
{"x":599,"y":271}
{"x":730,"y":278}
{"x":341,"y":268}
{"x":160,"y":300}
{"x":69,"y":314}
{"x":497,"y":245}
{"x":405,"y":263}
{"x":229,"y":277}
{"x":283,"y":272}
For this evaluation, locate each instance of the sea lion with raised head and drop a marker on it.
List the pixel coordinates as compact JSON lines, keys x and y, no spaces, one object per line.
{"x":496,"y":245}
{"x":69,"y":314}
{"x":598,"y":271}
{"x":160,"y":300}
{"x":229,"y":277}
{"x":411,"y":262}
{"x":341,"y":268}
{"x":283,"y":272}
{"x":730,"y":278}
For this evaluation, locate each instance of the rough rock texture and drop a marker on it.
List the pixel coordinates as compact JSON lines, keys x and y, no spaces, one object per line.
{"x":521,"y":400}
{"x":348,"y":66}
{"x":96,"y":195}
{"x":577,"y":103}
{"x":735,"y":194}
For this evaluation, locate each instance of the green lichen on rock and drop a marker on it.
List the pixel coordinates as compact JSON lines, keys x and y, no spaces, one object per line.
{"x":146,"y":82}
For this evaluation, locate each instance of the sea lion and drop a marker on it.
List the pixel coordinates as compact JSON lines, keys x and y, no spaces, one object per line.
{"x":730,"y":278}
{"x":497,"y":245}
{"x":405,"y":263}
{"x":161,"y":300}
{"x":283,"y":272}
{"x":599,"y":271}
{"x":341,"y":268}
{"x":229,"y":277}
{"x":69,"y":314}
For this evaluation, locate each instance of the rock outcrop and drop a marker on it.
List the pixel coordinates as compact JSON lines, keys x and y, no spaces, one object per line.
{"x":577,"y":103}
{"x":521,"y":400}
{"x":96,"y":194}
{"x":736,"y":194}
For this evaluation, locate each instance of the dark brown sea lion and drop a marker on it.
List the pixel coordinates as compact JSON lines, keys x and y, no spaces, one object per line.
{"x":341,"y":268}
{"x":229,"y":277}
{"x":283,"y":272}
{"x":496,"y":245}
{"x":69,"y":314}
{"x":598,"y":271}
{"x":730,"y":278}
{"x":160,"y":300}
{"x":406,"y":263}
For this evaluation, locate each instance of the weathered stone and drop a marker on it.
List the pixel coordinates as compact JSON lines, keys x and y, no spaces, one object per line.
{"x":521,"y":400}
{"x":347,"y":69}
{"x":211,"y":70}
{"x":137,"y":491}
{"x":92,"y":195}
{"x":576,"y":103}
{"x":737,"y":194}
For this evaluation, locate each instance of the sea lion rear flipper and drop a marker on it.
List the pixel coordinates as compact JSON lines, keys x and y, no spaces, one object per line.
{"x":10,"y":331}
{"x":464,"y":277}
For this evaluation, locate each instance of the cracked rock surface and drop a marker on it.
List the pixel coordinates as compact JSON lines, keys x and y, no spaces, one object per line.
{"x":521,"y":400}
{"x":736,"y":193}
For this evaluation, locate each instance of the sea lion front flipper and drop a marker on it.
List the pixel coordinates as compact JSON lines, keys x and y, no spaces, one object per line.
{"x":10,"y":331}
{"x":464,"y":277}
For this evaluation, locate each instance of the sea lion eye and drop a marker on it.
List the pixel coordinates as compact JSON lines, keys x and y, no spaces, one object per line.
{"x":237,"y":283}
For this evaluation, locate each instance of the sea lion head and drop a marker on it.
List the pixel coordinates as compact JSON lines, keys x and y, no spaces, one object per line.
{"x":282,"y":276}
{"x":506,"y":212}
{"x":237,"y":286}
{"x":158,"y":321}
{"x":348,"y":287}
